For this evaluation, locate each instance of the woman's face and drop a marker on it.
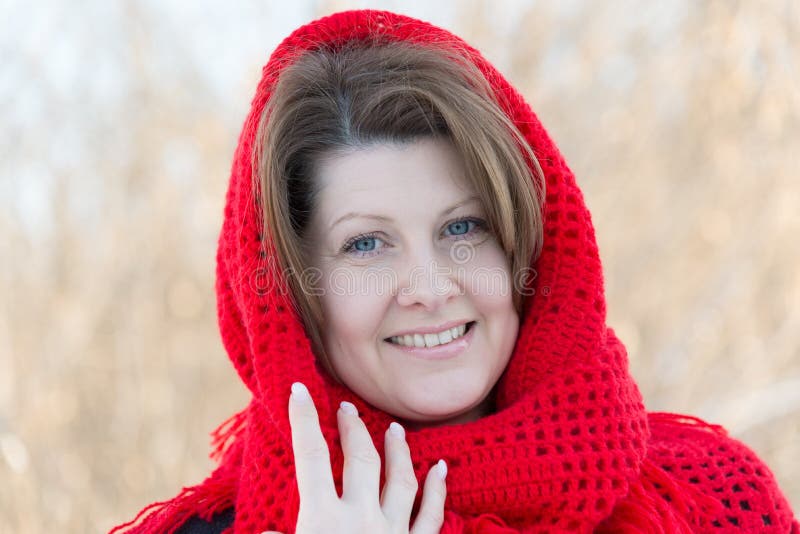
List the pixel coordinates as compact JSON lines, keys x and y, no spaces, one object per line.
{"x":402,"y":245}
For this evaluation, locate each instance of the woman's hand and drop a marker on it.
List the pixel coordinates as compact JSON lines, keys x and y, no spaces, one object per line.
{"x":359,"y":509}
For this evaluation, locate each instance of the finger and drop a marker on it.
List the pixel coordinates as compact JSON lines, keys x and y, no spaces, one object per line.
{"x":431,"y":512}
{"x":362,"y":463}
{"x":401,"y":487}
{"x":311,"y":455}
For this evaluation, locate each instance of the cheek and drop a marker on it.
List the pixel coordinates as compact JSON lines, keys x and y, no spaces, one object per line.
{"x":353,"y":310}
{"x":490,"y":285}
{"x":488,"y":279}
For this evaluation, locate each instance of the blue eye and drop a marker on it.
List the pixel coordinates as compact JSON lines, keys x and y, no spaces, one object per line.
{"x":461,"y":227}
{"x":363,"y":241}
{"x":362,"y":246}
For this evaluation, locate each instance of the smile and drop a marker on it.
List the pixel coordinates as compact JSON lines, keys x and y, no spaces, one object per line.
{"x":432,"y":340}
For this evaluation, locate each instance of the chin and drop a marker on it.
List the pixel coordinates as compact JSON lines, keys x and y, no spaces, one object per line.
{"x":441,"y":405}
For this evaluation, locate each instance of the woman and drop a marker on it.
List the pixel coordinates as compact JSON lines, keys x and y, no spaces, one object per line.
{"x":389,"y":185}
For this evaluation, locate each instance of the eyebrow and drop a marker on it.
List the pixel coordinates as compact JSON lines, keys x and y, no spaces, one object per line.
{"x":353,"y":215}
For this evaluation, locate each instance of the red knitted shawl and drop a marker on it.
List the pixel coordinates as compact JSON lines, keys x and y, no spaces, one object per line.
{"x":570,"y":447}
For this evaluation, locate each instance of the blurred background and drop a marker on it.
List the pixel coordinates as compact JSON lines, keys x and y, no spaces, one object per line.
{"x":118,"y":120}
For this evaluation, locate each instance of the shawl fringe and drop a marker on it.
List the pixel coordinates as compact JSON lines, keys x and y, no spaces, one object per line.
{"x":227,"y":433}
{"x":215,"y":494}
{"x":685,"y":420}
{"x":659,"y":503}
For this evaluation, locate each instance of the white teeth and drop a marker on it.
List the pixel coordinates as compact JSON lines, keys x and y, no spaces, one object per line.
{"x":445,"y":337}
{"x":430,"y":340}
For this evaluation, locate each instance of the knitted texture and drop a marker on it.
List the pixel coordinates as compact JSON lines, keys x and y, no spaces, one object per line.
{"x":570,"y":447}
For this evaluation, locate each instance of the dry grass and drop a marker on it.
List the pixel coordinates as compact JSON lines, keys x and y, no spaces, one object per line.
{"x":681,"y":121}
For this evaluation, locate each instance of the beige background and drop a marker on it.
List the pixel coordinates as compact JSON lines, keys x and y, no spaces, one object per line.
{"x":118,"y":122}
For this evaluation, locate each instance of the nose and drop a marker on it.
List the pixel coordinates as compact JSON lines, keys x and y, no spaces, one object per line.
{"x":427,"y":282}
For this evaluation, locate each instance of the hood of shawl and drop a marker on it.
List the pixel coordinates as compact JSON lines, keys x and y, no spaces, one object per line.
{"x":567,"y":370}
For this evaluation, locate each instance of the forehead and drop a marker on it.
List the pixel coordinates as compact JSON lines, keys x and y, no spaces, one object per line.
{"x":427,"y":171}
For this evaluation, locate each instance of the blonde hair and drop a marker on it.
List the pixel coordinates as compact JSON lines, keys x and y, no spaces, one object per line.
{"x":361,"y":93}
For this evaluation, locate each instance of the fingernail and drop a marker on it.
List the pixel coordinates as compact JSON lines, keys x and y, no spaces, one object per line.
{"x":300,"y":392}
{"x":348,"y":408}
{"x":397,"y":430}
{"x":441,"y":468}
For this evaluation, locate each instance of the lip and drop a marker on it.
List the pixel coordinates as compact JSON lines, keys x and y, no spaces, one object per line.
{"x":431,"y":329}
{"x":440,"y":352}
